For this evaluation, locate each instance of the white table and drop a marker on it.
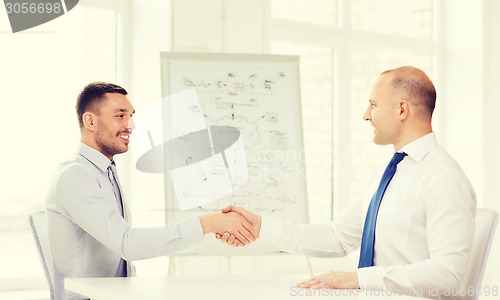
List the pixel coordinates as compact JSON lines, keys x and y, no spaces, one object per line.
{"x":244,"y":287}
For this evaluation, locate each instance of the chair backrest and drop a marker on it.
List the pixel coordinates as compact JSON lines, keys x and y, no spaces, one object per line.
{"x":486,"y":223}
{"x":39,"y":229}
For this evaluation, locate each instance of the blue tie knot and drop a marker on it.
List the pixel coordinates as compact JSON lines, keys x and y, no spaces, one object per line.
{"x":398,"y":157}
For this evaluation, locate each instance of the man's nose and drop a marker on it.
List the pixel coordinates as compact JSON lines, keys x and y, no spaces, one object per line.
{"x":131,"y":124}
{"x":367,"y":115}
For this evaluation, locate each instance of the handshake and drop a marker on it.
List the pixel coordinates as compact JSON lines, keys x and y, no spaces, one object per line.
{"x":238,"y":227}
{"x":235,"y":226}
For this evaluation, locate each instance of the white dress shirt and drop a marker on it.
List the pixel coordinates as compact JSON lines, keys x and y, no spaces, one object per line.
{"x":424,"y":231}
{"x":88,"y":235}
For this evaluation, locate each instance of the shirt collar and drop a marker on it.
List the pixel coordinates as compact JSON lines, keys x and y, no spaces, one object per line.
{"x":94,"y":156}
{"x":419,"y":148}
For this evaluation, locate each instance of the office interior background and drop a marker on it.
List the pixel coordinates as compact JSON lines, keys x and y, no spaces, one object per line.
{"x":343,"y":45}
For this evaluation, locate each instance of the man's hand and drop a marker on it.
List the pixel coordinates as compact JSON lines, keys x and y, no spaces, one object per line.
{"x":334,"y":280}
{"x":236,"y":225}
{"x":253,"y":219}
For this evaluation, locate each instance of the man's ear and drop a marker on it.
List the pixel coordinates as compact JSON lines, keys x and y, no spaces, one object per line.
{"x":88,"y":121}
{"x":404,"y":109}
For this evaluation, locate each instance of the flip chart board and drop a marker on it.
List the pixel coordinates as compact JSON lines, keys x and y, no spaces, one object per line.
{"x":258,"y":96}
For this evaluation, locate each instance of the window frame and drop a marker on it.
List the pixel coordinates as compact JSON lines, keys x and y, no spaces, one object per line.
{"x":340,"y":39}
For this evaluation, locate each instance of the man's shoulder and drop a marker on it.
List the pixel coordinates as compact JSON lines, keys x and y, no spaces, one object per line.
{"x":443,"y":159}
{"x":442,"y":167}
{"x":75,"y":167}
{"x":68,"y":177}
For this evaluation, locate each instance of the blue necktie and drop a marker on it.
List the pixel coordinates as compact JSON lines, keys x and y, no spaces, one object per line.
{"x":368,"y":239}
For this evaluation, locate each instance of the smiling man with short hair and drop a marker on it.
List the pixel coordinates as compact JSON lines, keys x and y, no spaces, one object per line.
{"x":87,"y":216}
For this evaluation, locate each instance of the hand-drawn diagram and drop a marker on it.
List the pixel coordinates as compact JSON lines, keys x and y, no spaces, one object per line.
{"x":258,"y":102}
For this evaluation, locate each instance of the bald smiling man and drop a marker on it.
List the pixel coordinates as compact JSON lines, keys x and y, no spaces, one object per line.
{"x":414,"y":222}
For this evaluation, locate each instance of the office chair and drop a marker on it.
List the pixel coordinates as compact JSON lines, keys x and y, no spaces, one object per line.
{"x":486,"y":223}
{"x":39,"y":231}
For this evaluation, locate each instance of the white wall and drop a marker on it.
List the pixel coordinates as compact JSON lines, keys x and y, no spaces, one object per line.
{"x":491,"y":142}
{"x":461,"y":94}
{"x":218,"y":26}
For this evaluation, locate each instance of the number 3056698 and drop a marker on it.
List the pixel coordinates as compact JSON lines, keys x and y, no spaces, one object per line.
{"x":33,"y":8}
